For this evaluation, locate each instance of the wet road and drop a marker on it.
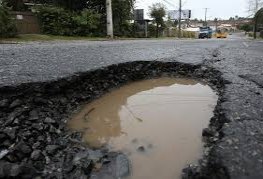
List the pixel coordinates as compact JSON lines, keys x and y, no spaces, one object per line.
{"x":238,"y":58}
{"x":26,"y":62}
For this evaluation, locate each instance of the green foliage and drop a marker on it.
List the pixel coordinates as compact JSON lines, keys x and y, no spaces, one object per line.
{"x":122,"y":13}
{"x":54,"y":20}
{"x":15,"y":5}
{"x":173,"y":32}
{"x":158,"y":12}
{"x":86,"y":22}
{"x":57,"y":21}
{"x":259,"y":16}
{"x":75,"y":5}
{"x":152,"y":30}
{"x":187,"y":34}
{"x":171,"y":23}
{"x":7,"y":23}
{"x":246,"y":27}
{"x":81,"y":18}
{"x":251,"y":34}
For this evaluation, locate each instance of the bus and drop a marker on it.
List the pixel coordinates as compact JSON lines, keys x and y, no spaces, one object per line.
{"x":221,"y":33}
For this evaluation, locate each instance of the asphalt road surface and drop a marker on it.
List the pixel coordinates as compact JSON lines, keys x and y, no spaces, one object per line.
{"x":238,"y":58}
{"x":40,"y":61}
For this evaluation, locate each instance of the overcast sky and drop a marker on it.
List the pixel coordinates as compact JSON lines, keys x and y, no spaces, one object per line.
{"x":217,"y":8}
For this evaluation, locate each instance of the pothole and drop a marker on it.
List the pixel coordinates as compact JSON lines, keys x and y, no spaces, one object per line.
{"x":157,"y":123}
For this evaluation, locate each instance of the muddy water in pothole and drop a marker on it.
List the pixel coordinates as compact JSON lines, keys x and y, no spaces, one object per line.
{"x":158,"y":123}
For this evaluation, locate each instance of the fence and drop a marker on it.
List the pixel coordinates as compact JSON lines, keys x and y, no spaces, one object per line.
{"x":26,"y":22}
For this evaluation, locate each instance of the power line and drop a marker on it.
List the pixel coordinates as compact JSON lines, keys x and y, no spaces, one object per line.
{"x":168,"y":2}
{"x":173,"y":5}
{"x":184,"y":2}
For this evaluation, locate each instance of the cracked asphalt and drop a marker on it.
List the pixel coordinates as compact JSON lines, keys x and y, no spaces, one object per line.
{"x":239,"y":59}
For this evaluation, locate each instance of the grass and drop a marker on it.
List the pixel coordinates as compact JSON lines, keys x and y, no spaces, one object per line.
{"x":43,"y":38}
{"x":40,"y":37}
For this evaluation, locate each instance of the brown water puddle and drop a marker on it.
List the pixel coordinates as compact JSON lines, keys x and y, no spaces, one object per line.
{"x":158,"y":123}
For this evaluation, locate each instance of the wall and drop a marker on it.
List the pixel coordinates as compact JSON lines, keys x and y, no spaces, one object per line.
{"x":26,"y":22}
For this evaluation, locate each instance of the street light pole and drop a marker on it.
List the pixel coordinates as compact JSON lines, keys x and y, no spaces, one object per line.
{"x":180,"y":18}
{"x":109,"y":19}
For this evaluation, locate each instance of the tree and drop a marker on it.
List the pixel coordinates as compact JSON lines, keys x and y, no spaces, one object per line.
{"x":122,"y":12}
{"x":73,"y":5}
{"x":254,"y":6}
{"x":15,"y":5}
{"x":171,"y":23}
{"x":258,"y":19}
{"x":246,"y":27}
{"x":7,"y":23}
{"x":158,"y":12}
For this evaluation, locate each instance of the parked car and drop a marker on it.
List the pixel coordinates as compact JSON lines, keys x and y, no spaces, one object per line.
{"x":205,"y":32}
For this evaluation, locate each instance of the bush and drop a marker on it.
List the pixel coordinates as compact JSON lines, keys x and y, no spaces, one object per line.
{"x":246,"y":27}
{"x":250,"y":34}
{"x":124,"y":29}
{"x":58,"y":21}
{"x":172,"y":32}
{"x":187,"y":34}
{"x":152,"y":30}
{"x":85,"y":23}
{"x":7,"y":23}
{"x":15,"y":5}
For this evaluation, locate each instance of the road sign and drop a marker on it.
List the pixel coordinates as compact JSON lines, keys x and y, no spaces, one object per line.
{"x":174,"y":14}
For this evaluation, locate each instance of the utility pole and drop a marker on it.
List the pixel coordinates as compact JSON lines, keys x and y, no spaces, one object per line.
{"x":216,"y":22}
{"x":109,"y":19}
{"x":206,"y":16}
{"x":146,"y":28}
{"x":180,"y":18}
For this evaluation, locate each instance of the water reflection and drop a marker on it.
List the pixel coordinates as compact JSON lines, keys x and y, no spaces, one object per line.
{"x":165,"y":116}
{"x":104,"y":113}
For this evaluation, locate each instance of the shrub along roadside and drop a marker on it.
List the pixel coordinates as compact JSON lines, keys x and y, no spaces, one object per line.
{"x":171,"y":32}
{"x":58,"y":21}
{"x":7,"y":23}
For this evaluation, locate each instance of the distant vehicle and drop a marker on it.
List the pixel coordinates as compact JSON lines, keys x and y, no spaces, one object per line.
{"x":221,"y":33}
{"x":205,"y":32}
